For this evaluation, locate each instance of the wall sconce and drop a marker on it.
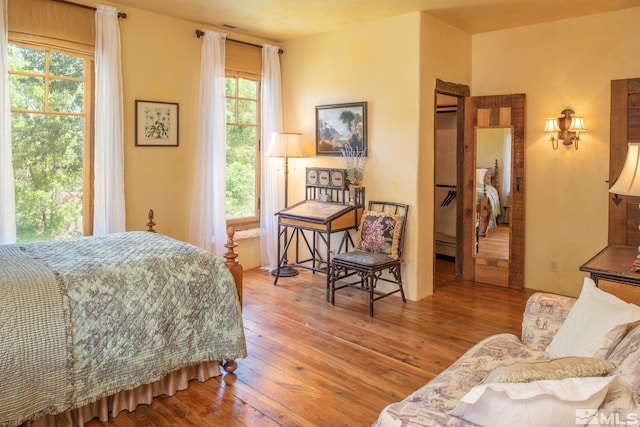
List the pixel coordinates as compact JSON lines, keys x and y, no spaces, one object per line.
{"x":568,"y":128}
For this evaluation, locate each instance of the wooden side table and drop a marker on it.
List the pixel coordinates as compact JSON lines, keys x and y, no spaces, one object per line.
{"x":612,"y":271}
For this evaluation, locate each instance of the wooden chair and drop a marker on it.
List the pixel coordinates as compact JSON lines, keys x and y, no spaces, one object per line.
{"x":378,"y":250}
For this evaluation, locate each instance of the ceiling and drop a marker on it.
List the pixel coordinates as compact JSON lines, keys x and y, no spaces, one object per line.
{"x":283,"y":20}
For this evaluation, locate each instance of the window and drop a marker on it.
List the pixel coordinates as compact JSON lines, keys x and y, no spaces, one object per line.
{"x":51,"y":142}
{"x":243,"y":160}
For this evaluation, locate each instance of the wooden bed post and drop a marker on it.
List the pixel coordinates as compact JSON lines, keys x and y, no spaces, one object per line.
{"x":231,"y":259}
{"x":150,"y":224}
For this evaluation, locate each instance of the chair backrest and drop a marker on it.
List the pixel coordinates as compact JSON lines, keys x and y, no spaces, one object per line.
{"x":397,"y":209}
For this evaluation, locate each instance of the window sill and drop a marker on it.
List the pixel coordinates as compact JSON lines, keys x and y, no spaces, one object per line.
{"x":251,"y":233}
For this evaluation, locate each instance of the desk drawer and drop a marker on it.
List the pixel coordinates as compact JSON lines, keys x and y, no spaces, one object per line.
{"x":628,"y":293}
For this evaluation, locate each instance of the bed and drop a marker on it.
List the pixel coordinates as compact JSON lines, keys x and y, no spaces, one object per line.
{"x":96,"y":325}
{"x":487,"y":197}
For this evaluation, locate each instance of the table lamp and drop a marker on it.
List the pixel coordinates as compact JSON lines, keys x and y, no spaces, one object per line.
{"x":628,"y":183}
{"x":286,"y":145}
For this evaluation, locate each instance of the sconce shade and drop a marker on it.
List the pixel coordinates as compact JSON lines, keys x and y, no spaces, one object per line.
{"x":287,"y":145}
{"x":628,"y":183}
{"x":577,"y":124}
{"x":551,"y":125}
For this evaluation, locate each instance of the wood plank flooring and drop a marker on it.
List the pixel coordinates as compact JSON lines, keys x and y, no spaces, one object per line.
{"x":314,"y":364}
{"x":495,"y":244}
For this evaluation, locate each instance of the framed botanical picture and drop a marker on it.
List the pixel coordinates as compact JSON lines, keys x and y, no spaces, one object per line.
{"x":339,"y":125}
{"x":156,"y":124}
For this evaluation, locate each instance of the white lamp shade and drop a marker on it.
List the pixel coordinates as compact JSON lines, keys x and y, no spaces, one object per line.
{"x":577,"y":124}
{"x":628,"y":183}
{"x":551,"y":125}
{"x":286,"y":145}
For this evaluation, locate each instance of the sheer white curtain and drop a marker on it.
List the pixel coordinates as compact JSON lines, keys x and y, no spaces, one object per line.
{"x":271,"y":110}
{"x":109,"y":210}
{"x":208,"y":214}
{"x":7,"y":192}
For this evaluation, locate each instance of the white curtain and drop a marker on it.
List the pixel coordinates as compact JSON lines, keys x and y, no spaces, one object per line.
{"x":109,"y":210}
{"x":7,"y":191}
{"x":208,"y":214}
{"x":271,"y":110}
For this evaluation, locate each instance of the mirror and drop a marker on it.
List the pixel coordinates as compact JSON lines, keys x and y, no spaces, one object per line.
{"x":483,"y":115}
{"x":493,"y":191}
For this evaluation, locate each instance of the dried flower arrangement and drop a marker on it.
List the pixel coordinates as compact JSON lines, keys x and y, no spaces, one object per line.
{"x":355,"y":161}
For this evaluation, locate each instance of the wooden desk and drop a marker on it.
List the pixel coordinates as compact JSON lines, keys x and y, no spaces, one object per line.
{"x":614,"y":264}
{"x":321,"y":220}
{"x":611,"y":270}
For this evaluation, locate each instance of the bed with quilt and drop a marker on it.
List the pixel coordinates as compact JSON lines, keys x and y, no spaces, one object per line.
{"x":95,"y":325}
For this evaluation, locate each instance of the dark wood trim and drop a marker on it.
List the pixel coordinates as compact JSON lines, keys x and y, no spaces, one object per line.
{"x":453,"y":89}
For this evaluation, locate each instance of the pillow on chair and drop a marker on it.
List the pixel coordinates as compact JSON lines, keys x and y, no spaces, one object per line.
{"x":379,"y":232}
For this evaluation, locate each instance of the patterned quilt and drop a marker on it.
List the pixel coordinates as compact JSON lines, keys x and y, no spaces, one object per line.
{"x":92,"y":316}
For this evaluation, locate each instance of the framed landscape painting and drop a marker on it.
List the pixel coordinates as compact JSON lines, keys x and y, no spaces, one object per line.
{"x":339,"y":125}
{"x":156,"y":124}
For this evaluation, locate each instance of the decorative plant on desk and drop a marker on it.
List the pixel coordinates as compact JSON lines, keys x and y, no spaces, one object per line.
{"x":355,"y":161}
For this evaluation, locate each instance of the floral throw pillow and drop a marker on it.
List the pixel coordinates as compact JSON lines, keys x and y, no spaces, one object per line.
{"x":379,"y":232}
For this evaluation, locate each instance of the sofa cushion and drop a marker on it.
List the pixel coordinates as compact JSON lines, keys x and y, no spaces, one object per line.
{"x":595,"y":324}
{"x":539,"y":403}
{"x":556,"y":369}
{"x":444,"y":392}
{"x":543,"y":316}
{"x":627,"y":352}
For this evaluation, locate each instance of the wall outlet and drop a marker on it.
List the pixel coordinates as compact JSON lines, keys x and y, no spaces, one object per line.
{"x":553,"y":266}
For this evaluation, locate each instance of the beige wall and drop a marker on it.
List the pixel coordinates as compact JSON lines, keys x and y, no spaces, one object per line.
{"x":445,"y":54}
{"x":160,"y":62}
{"x":566,"y":200}
{"x":377,"y":63}
{"x":380,"y":63}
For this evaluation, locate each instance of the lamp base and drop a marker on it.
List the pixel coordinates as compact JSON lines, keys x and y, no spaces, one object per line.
{"x":285,"y":271}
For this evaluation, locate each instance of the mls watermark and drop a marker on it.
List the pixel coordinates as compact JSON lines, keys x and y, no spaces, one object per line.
{"x":608,"y":417}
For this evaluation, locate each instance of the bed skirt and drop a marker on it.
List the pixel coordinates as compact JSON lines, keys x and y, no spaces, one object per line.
{"x":130,"y":399}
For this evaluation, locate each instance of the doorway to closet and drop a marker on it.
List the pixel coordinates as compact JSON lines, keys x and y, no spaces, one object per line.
{"x":446,"y":182}
{"x":449,"y":146}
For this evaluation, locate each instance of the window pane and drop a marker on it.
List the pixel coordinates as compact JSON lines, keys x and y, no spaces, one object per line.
{"x":230,"y":86}
{"x":247,"y":112}
{"x":247,"y":89}
{"x":26,"y":92}
{"x":26,"y":59}
{"x":241,"y":171}
{"x":48,"y":168}
{"x":66,"y":95}
{"x":61,"y":64}
{"x":231,"y":110}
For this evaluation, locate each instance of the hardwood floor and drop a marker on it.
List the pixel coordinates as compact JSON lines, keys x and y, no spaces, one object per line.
{"x":311,"y":363}
{"x":496,"y":243}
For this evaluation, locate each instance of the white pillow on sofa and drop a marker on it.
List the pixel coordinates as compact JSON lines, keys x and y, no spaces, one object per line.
{"x":595,"y":324}
{"x":536,"y":404}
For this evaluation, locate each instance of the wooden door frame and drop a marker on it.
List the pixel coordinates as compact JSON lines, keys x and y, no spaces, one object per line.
{"x":460,"y":91}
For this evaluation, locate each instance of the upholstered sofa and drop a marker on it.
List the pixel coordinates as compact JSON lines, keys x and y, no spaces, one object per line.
{"x":451,"y":398}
